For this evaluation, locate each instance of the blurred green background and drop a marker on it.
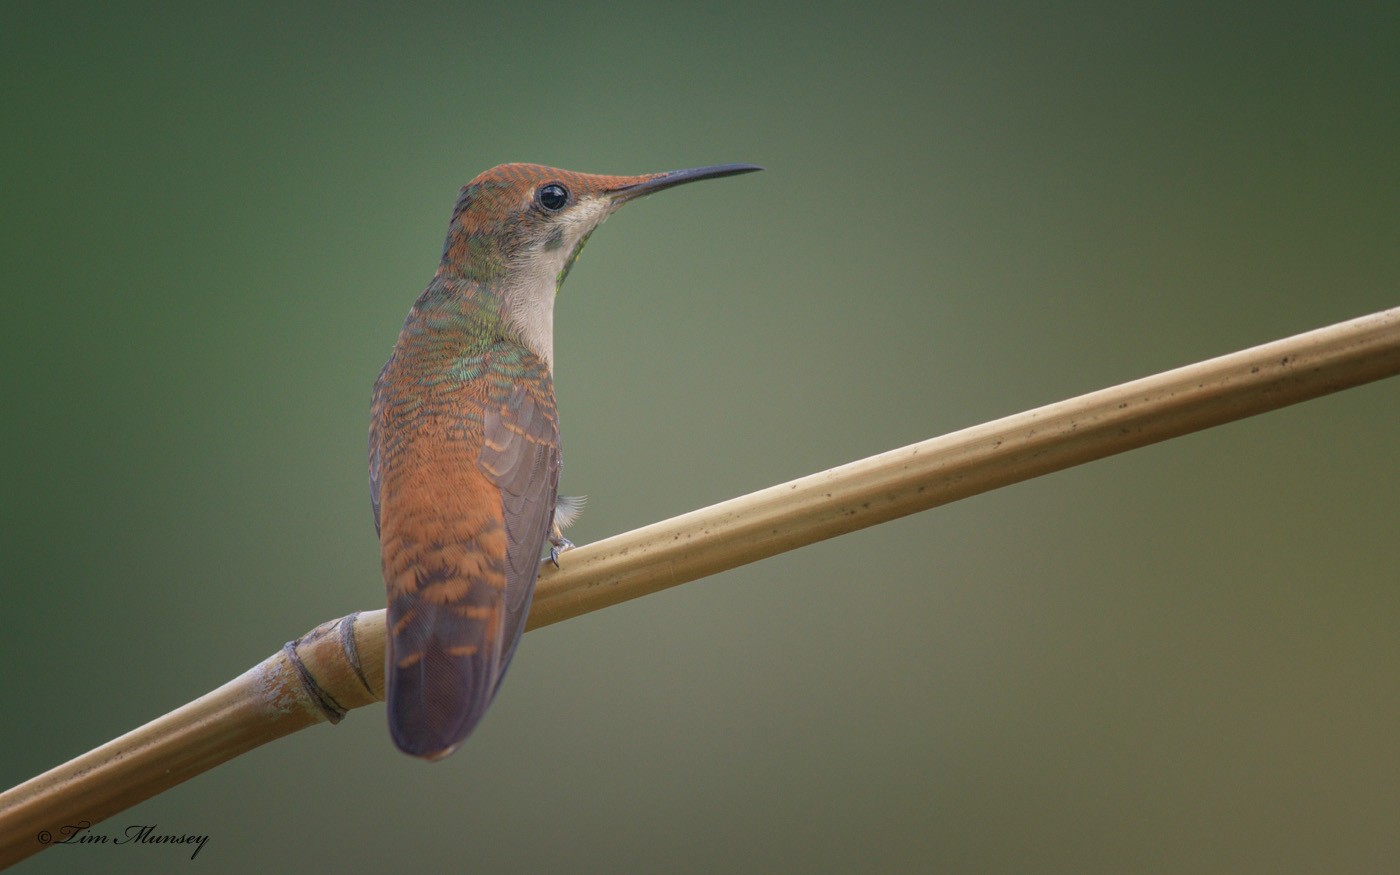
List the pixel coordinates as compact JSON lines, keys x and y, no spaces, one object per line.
{"x":1180,"y":659}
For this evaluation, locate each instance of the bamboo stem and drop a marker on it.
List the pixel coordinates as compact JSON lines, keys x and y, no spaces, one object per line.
{"x":311,"y":680}
{"x":969,"y":462}
{"x":340,"y":665}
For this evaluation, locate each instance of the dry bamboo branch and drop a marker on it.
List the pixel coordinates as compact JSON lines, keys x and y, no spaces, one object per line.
{"x":274,"y":698}
{"x":339,"y":665}
{"x":969,"y":462}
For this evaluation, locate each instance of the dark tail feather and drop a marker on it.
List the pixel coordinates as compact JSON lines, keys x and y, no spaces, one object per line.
{"x":441,"y":674}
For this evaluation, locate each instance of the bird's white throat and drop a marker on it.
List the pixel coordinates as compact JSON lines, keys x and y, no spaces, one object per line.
{"x":534,"y":276}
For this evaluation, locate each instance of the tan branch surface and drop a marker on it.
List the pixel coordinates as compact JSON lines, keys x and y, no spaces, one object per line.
{"x":340,"y":665}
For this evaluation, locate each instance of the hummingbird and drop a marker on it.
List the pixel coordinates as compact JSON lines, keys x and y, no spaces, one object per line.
{"x":464,"y":456}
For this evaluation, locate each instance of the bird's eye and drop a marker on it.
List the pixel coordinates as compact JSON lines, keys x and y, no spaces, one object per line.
{"x":553,"y":196}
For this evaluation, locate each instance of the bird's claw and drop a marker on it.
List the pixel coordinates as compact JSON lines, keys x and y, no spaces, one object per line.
{"x":566,"y":510}
{"x":559,"y":545}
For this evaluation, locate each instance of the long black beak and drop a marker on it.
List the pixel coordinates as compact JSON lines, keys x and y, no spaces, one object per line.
{"x":656,"y":182}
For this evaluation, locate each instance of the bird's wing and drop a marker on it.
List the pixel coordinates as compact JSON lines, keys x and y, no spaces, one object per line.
{"x":468,"y":473}
{"x":521,"y":456}
{"x":376,"y":409}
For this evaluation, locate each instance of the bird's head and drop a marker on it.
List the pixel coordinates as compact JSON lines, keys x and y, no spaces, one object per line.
{"x":519,"y":227}
{"x":535,"y":219}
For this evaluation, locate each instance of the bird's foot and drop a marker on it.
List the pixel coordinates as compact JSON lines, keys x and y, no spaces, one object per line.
{"x":566,"y":510}
{"x":558,"y":544}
